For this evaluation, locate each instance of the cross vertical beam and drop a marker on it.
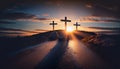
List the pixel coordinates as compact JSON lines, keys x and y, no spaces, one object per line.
{"x":53,"y":24}
{"x":76,"y":24}
{"x":65,"y":20}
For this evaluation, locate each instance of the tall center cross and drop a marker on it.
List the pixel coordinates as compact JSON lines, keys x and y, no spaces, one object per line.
{"x":76,"y":24}
{"x":65,"y":20}
{"x":53,"y":24}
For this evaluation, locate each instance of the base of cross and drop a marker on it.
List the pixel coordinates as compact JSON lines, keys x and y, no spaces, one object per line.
{"x":63,"y":36}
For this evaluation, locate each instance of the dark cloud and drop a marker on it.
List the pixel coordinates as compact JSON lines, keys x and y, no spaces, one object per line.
{"x":102,"y":3}
{"x":100,"y":19}
{"x":42,"y":18}
{"x":16,"y":15}
{"x":20,"y":16}
{"x":98,"y":7}
{"x":103,"y":28}
{"x":7,"y":22}
{"x":16,"y":30}
{"x":118,"y":21}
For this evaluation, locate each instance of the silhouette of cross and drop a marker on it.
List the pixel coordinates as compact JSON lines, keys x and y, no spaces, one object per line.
{"x":65,"y":20}
{"x":53,"y":24}
{"x":76,"y":24}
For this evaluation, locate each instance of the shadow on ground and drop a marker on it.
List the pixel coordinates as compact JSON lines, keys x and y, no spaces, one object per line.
{"x":52,"y":59}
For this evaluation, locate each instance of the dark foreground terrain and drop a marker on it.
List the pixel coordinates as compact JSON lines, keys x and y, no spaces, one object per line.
{"x":106,"y":46}
{"x":52,"y":50}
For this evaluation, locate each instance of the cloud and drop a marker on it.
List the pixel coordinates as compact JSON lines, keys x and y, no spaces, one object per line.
{"x":15,"y":30}
{"x":16,"y":15}
{"x":99,"y":4}
{"x":34,"y":19}
{"x":103,"y":28}
{"x":6,"y":22}
{"x":21,"y":17}
{"x":99,"y":19}
{"x":112,"y":20}
{"x":41,"y":18}
{"x":20,"y":32}
{"x":45,"y":14}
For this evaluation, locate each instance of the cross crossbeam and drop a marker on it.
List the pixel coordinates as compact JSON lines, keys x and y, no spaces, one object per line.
{"x":76,"y":24}
{"x":53,"y":24}
{"x":65,"y":20}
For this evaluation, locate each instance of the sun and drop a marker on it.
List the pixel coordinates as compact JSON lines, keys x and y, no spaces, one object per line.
{"x":69,"y":29}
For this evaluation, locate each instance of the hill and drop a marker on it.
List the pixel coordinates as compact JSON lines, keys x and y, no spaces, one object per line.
{"x":11,"y":44}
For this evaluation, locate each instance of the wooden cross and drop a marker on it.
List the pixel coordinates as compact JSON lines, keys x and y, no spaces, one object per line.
{"x":53,"y":24}
{"x":76,"y":25}
{"x":65,"y":20}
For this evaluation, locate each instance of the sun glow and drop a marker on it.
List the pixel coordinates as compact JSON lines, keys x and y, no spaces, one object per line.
{"x":69,"y":29}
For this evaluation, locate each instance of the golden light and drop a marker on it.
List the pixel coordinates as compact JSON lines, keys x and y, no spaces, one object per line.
{"x":69,"y":29}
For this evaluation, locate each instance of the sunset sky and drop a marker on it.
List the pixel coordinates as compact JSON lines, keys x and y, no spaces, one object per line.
{"x":27,"y":17}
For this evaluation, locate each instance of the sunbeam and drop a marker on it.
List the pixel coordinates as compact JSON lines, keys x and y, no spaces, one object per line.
{"x":82,"y":55}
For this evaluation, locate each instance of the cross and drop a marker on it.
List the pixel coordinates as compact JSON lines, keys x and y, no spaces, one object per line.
{"x":53,"y":24}
{"x":76,"y":25}
{"x":65,"y":20}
